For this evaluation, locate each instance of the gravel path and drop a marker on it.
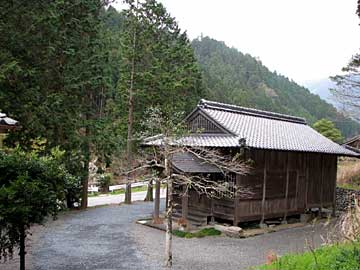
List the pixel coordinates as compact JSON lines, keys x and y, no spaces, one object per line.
{"x":98,"y":238}
{"x":107,"y":238}
{"x":227,"y":253}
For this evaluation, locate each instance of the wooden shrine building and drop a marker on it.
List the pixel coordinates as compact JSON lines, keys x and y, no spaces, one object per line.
{"x":293,"y":166}
{"x":353,"y":144}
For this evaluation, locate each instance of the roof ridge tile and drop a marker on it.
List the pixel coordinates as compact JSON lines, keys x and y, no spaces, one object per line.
{"x":250,"y":111}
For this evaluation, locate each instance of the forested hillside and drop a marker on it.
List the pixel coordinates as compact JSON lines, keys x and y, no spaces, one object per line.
{"x":234,"y":77}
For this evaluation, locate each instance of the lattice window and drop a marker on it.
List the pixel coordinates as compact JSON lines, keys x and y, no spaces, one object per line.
{"x":230,"y":180}
{"x":201,"y":124}
{"x":229,"y":189}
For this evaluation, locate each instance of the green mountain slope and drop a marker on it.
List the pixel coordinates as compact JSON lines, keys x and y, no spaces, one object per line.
{"x":233,"y":77}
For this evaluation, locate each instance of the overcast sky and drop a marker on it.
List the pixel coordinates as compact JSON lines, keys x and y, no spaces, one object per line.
{"x":305,"y":40}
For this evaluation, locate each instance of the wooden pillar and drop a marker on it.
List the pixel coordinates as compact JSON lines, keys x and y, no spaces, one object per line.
{"x":287,"y":187}
{"x":307,"y":176}
{"x":184,"y":203}
{"x":212,"y":210}
{"x":157,"y":200}
{"x":264,"y":189}
{"x":297,"y":189}
{"x":334,"y":183}
{"x":236,"y":200}
{"x":322,"y":182}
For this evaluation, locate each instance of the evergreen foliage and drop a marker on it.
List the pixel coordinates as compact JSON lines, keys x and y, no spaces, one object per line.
{"x":233,"y":77}
{"x":166,"y":73}
{"x":328,"y":129}
{"x":54,"y":77}
{"x":31,"y":188}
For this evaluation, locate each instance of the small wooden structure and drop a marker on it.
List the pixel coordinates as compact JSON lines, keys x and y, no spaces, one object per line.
{"x":293,"y":166}
{"x":353,"y":144}
{"x":7,"y":123}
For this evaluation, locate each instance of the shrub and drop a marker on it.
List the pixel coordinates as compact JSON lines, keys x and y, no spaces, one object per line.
{"x":105,"y":180}
{"x":31,"y":188}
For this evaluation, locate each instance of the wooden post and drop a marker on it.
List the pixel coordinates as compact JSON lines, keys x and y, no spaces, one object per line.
{"x":157,"y":201}
{"x":322,"y":182}
{"x":212,"y":210}
{"x":307,"y":176}
{"x":334,"y":195}
{"x":184,"y":204}
{"x":297,"y":189}
{"x":287,"y":187}
{"x":264,"y":190}
{"x":236,"y":201}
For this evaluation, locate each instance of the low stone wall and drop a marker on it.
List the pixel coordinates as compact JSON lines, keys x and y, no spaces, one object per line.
{"x":345,"y":197}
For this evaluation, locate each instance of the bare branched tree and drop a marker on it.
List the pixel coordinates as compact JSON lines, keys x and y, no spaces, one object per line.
{"x":163,"y":148}
{"x":347,"y":91}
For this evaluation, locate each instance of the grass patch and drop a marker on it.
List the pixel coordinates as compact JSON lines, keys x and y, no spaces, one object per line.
{"x":349,"y":172}
{"x":352,"y":186}
{"x":134,"y":189}
{"x":334,"y":257}
{"x":199,"y":234}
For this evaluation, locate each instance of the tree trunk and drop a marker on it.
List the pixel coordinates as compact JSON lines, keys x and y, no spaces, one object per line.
{"x":130,"y":121}
{"x":85,"y":179}
{"x":149,"y":194}
{"x":22,"y":251}
{"x":168,"y":240}
{"x":157,"y":201}
{"x":168,"y":246}
{"x":128,"y":193}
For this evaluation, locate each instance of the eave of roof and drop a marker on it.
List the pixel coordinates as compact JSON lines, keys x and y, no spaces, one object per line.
{"x":260,"y":130}
{"x":353,"y":139}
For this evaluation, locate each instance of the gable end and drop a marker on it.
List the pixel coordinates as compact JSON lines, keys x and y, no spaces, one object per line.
{"x":201,"y":123}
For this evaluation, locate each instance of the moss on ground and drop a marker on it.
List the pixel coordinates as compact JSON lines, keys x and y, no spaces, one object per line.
{"x":198,"y":234}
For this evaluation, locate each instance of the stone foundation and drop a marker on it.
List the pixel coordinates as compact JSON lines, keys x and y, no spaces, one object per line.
{"x":345,"y":197}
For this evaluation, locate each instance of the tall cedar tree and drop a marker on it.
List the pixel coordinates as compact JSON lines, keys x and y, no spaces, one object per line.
{"x":54,"y":77}
{"x":158,"y":67}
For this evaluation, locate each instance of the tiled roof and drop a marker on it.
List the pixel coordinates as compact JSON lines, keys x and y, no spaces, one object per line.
{"x":351,"y":140}
{"x":259,"y":129}
{"x":7,"y":121}
{"x":199,"y":140}
{"x":266,"y":130}
{"x":187,"y":162}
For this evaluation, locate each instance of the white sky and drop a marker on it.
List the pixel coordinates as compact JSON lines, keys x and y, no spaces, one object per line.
{"x":304,"y":40}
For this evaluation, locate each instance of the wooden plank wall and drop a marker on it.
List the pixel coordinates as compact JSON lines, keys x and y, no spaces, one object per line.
{"x":294,"y":181}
